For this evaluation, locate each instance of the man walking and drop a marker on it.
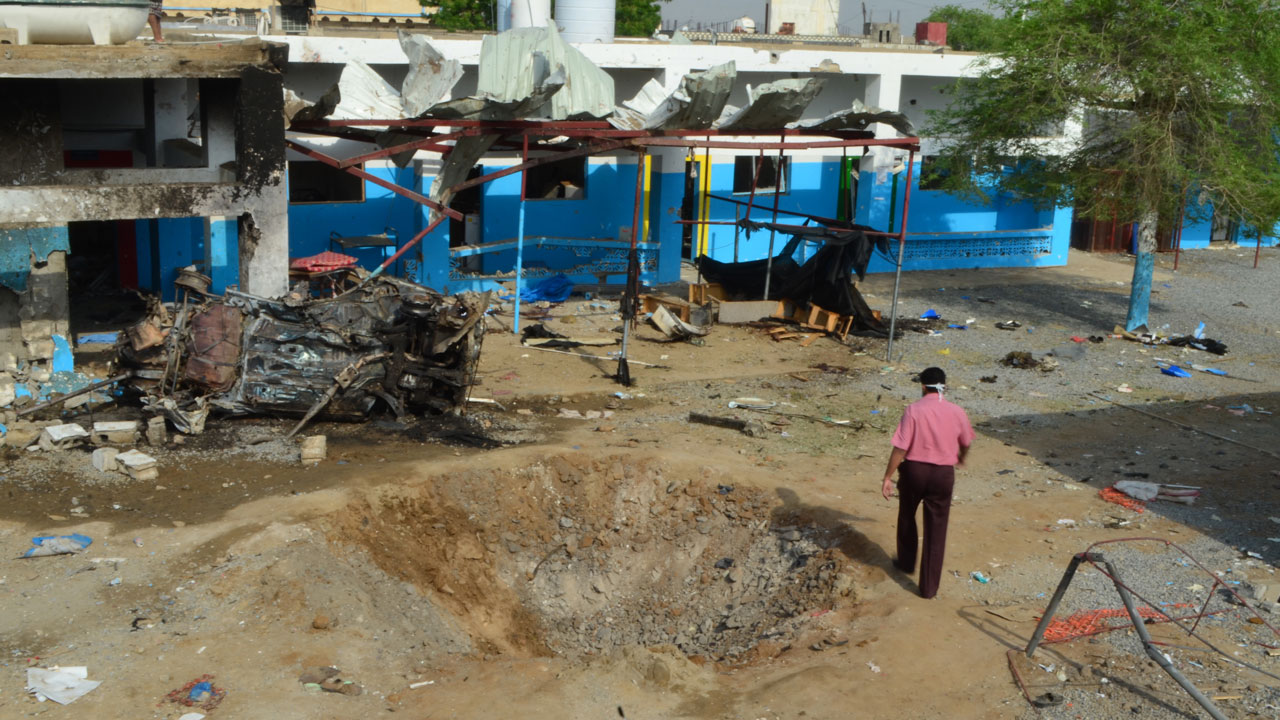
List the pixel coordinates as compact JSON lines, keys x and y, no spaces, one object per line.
{"x":932,"y":438}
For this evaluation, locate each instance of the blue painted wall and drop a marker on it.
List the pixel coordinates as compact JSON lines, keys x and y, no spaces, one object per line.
{"x":946,"y":232}
{"x":19,"y":245}
{"x":179,"y":241}
{"x":311,"y":223}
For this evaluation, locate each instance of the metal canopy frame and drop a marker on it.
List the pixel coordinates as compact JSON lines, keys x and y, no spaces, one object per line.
{"x":563,"y":140}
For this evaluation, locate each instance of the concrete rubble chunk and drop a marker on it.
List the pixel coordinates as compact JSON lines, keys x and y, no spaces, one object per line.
{"x":8,"y":389}
{"x":157,"y":433}
{"x":61,"y":437}
{"x":314,"y":449}
{"x":138,"y":464}
{"x":104,"y":459}
{"x":115,"y":432}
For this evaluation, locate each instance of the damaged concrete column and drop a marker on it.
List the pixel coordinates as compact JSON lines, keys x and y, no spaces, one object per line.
{"x":883,"y":92}
{"x":264,"y":227}
{"x":33,"y":293}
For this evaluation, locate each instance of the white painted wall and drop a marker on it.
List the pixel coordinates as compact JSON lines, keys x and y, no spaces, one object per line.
{"x":810,"y":17}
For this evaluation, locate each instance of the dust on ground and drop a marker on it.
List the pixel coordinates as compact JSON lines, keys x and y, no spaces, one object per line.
{"x":621,"y":561}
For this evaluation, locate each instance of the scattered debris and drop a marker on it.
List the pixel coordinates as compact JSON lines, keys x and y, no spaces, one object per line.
{"x":117,"y":432}
{"x":62,"y":437}
{"x":1175,"y":371}
{"x":138,"y":464}
{"x":750,"y":428}
{"x":46,"y":545}
{"x":63,"y":685}
{"x":675,"y":328}
{"x":313,"y":449}
{"x":104,"y":459}
{"x":1009,"y":325}
{"x":1146,"y":491}
{"x":201,"y":693}
{"x":402,"y":346}
{"x":1026,"y":361}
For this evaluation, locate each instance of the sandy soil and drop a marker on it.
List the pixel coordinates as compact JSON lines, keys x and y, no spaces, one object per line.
{"x":527,"y":563}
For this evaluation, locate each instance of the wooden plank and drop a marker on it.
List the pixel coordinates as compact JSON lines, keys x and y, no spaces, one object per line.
{"x":809,"y":340}
{"x":785,"y":336}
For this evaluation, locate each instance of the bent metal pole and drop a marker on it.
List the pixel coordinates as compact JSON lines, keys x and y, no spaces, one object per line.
{"x":902,"y":245}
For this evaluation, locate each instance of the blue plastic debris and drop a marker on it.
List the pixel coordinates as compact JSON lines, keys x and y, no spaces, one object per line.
{"x":977,"y":575}
{"x":46,"y":545}
{"x":958,"y":327}
{"x":1175,"y":371}
{"x":107,"y":338}
{"x":1199,"y":333}
{"x":200,"y":692}
{"x":1215,"y":371}
{"x":929,"y":314}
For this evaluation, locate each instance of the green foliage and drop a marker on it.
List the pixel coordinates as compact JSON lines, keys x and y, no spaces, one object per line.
{"x":638,"y":18}
{"x":1169,"y":98}
{"x":464,"y":14}
{"x":969,"y":28}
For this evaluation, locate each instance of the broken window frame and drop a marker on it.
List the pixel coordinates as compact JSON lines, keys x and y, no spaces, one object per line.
{"x":745,"y":165}
{"x":338,"y":175}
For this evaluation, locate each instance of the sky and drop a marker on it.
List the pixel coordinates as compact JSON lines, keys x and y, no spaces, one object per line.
{"x":712,"y":11}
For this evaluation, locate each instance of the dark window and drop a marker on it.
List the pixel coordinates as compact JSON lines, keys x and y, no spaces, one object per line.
{"x":311,"y":181}
{"x":559,"y":180}
{"x":744,"y":169}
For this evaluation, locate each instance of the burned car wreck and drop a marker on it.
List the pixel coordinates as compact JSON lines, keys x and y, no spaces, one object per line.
{"x":383,"y":343}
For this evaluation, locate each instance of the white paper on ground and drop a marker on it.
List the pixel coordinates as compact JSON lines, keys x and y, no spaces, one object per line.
{"x":61,"y":685}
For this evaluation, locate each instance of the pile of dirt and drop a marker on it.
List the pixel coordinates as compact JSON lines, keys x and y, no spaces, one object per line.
{"x":574,"y":555}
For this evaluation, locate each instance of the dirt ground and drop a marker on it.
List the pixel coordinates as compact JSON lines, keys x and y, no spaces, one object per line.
{"x":628,"y":563}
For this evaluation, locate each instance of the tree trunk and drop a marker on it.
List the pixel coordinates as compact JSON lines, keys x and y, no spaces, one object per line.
{"x":1143,"y":268}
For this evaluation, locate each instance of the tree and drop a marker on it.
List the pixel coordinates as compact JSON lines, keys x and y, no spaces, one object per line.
{"x":638,"y":18}
{"x":464,"y":15}
{"x":1125,"y":109}
{"x":969,"y":28}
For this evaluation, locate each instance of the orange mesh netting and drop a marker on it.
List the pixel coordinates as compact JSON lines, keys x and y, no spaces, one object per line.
{"x":1091,"y":622}
{"x":1112,"y":495}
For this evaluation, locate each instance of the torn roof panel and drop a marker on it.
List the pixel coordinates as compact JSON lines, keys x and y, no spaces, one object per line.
{"x":859,"y":117}
{"x":506,"y":72}
{"x":360,"y":94}
{"x":431,"y":75}
{"x":699,"y":101}
{"x":775,"y":104}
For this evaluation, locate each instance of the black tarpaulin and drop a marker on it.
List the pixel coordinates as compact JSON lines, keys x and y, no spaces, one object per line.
{"x":825,"y":279}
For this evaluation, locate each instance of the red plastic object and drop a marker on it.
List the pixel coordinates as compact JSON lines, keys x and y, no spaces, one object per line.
{"x":327,"y":260}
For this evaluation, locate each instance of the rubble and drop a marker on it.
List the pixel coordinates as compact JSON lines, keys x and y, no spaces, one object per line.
{"x":383,"y":343}
{"x":313,"y":449}
{"x":62,"y":437}
{"x":138,"y":464}
{"x":115,"y":432}
{"x":104,"y":459}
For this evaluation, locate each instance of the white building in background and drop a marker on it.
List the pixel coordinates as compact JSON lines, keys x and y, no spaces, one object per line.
{"x":803,"y":17}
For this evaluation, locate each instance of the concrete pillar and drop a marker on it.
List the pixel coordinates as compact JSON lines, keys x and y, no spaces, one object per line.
{"x":885,"y":92}
{"x":259,"y":147}
{"x":220,"y":251}
{"x":43,"y":308}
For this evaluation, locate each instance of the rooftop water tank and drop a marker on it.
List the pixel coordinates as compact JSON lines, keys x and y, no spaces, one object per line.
{"x":585,"y":21}
{"x":74,"y":22}
{"x":530,"y":13}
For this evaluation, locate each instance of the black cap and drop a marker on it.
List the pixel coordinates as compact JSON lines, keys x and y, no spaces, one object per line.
{"x":931,"y":376}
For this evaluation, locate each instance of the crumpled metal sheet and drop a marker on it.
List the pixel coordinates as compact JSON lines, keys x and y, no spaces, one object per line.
{"x":360,"y":94}
{"x":431,"y":75}
{"x":412,"y":348}
{"x":508,"y":73}
{"x":775,"y":105}
{"x":860,"y":117}
{"x":695,"y":106}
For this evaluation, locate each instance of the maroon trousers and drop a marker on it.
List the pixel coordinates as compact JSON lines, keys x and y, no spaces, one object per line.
{"x":920,"y":482}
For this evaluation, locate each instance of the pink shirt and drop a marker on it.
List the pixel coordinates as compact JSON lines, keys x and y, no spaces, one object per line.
{"x":933,"y":431}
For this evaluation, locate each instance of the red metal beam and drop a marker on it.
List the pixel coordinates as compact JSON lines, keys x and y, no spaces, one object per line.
{"x":434,"y":142}
{"x":403,"y":192}
{"x":579,"y":152}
